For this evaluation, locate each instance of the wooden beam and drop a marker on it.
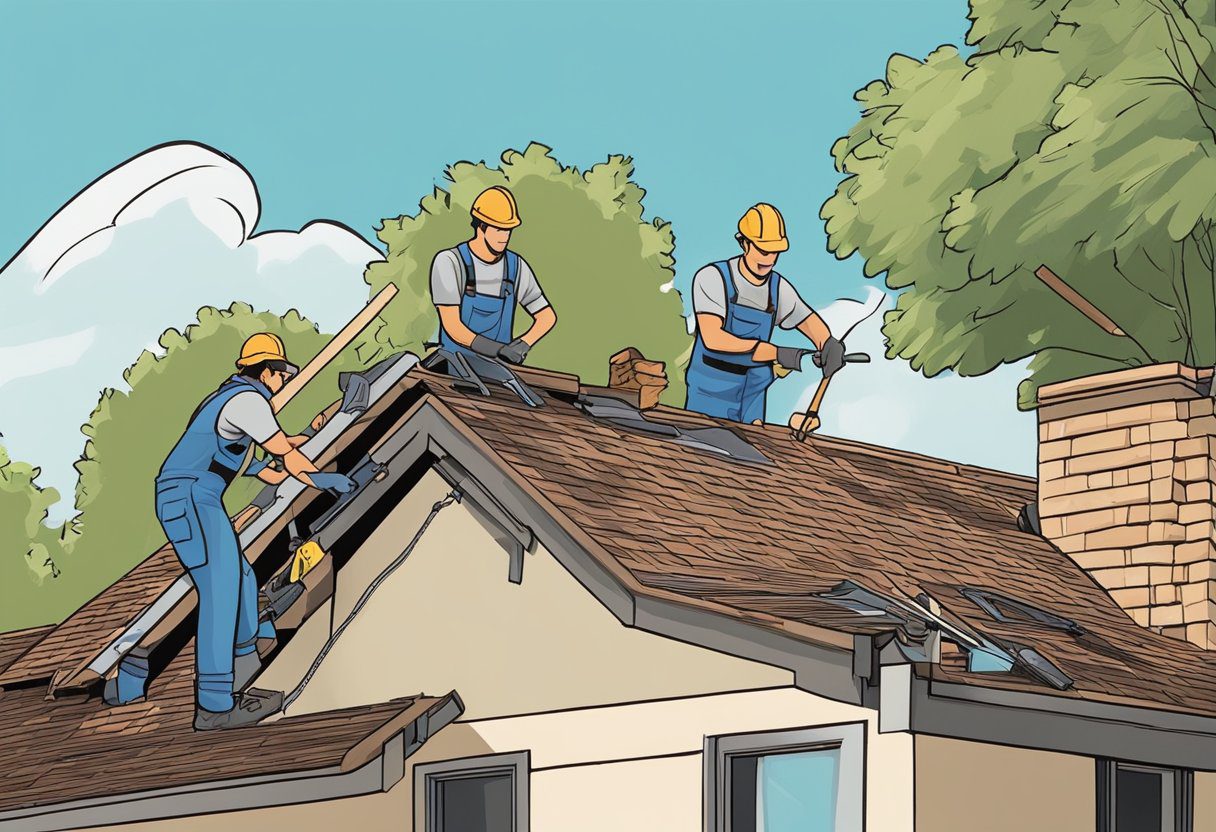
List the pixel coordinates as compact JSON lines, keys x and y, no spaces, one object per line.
{"x":336,"y":344}
{"x":1077,"y":301}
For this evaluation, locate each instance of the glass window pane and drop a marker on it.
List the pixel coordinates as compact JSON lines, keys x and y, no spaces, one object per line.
{"x":475,"y":804}
{"x":796,"y":792}
{"x":1138,"y":800}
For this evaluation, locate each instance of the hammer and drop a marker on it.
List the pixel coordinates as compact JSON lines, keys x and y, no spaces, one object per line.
{"x":808,"y":422}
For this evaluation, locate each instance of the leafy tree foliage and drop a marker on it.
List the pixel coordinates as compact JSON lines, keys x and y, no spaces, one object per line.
{"x":29,"y":549}
{"x":1080,"y":134}
{"x":606,"y":271}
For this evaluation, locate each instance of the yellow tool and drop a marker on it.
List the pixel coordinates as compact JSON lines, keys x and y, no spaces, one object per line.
{"x":306,"y":557}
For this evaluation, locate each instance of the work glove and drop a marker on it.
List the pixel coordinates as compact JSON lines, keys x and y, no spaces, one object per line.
{"x":791,"y":357}
{"x":831,"y":357}
{"x":335,"y":482}
{"x":515,"y":352}
{"x":486,"y":346}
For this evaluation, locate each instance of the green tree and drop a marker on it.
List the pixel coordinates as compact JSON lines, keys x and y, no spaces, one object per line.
{"x":1080,"y":134}
{"x":29,"y":549}
{"x":129,"y":434}
{"x":606,"y":271}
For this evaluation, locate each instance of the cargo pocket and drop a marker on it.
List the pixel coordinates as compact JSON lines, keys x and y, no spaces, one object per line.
{"x":177,"y":516}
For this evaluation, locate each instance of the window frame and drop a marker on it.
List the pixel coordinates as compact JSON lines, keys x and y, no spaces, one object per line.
{"x":849,"y":737}
{"x":429,"y":776}
{"x":1182,"y":796}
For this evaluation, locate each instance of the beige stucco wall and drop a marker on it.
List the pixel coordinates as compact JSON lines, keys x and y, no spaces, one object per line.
{"x":965,"y":786}
{"x":617,"y":767}
{"x":1205,"y":801}
{"x":449,"y":619}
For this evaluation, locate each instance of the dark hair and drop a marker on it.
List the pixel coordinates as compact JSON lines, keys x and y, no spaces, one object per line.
{"x":255,"y":370}
{"x":741,"y":240}
{"x":478,"y":225}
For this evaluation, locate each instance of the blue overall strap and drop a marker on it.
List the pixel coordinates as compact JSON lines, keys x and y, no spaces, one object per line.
{"x":774,"y":294}
{"x":470,"y":276}
{"x":510,"y":272}
{"x":728,"y":282}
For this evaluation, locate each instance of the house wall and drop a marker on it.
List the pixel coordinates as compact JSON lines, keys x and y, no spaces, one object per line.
{"x":636,"y":766}
{"x":964,"y":786}
{"x":1205,"y":801}
{"x":449,"y":619}
{"x":607,"y":711}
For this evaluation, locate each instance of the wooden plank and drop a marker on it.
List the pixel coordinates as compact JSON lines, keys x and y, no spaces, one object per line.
{"x":1056,"y":283}
{"x":548,"y":379}
{"x":336,"y":344}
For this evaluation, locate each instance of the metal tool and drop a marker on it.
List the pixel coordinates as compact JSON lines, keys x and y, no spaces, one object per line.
{"x":810,"y":418}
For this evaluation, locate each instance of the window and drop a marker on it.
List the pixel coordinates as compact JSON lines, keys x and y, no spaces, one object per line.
{"x":1136,"y":798}
{"x":475,"y":794}
{"x":805,"y":780}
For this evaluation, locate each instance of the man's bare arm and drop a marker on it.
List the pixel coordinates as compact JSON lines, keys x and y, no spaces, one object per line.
{"x":542,"y":322}
{"x":815,"y":329}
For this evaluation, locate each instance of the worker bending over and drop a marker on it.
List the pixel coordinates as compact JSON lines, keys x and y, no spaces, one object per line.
{"x":216,"y":448}
{"x":476,"y":285}
{"x":737,"y":303}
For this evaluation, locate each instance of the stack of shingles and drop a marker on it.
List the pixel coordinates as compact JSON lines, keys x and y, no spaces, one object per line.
{"x":630,"y":370}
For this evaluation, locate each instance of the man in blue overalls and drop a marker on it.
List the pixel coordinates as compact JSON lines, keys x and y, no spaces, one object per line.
{"x":737,"y":303}
{"x":216,"y":448}
{"x":476,"y":286}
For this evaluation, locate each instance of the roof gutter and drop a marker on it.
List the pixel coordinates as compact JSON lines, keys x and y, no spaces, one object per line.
{"x":378,"y":774}
{"x":1056,"y":723}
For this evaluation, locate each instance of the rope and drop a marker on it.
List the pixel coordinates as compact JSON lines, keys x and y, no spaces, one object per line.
{"x":452,"y":497}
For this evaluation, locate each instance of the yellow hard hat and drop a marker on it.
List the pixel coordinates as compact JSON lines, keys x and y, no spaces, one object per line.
{"x":264,"y":346}
{"x":765,"y":227}
{"x":496,"y":206}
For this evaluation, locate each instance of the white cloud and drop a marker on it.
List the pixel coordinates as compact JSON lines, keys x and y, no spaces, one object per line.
{"x":970,"y":420}
{"x":139,"y":250}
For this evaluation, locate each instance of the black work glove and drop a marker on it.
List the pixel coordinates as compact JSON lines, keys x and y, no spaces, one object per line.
{"x":486,"y":346}
{"x":831,"y":357}
{"x":515,"y":352}
{"x":791,"y":357}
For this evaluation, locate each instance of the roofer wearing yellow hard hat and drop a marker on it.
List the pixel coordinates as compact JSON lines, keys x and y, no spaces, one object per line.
{"x":216,"y":448}
{"x":737,"y":303}
{"x":476,"y":285}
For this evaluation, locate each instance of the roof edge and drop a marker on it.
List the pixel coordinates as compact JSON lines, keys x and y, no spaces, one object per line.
{"x":373,"y":764}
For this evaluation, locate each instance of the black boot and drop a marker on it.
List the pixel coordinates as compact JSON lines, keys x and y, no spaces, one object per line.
{"x":250,"y":708}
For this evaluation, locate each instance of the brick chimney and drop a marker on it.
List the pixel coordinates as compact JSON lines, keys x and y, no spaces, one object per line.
{"x":1127,"y":488}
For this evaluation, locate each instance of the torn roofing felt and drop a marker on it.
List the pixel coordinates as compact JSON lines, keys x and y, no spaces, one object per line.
{"x":764,"y":541}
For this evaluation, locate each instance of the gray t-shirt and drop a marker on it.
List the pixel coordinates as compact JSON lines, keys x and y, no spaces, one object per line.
{"x":247,"y":414}
{"x":709,"y":295}
{"x":447,"y":281}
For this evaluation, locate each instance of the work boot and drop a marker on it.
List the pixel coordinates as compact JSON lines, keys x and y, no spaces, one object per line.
{"x":250,"y":708}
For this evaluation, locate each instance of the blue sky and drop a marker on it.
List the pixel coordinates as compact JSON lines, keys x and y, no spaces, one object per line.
{"x":349,"y":110}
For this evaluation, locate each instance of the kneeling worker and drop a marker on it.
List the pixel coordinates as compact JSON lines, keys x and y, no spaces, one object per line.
{"x":476,"y":285}
{"x":737,"y":303}
{"x":216,"y":448}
